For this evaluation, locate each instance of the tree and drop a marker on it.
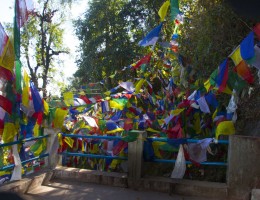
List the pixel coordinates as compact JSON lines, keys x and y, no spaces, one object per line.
{"x":210,"y":33}
{"x":109,"y":33}
{"x":212,"y":30}
{"x":42,"y":43}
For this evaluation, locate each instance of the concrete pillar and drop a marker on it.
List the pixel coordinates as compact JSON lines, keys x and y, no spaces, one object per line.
{"x":243,"y":166}
{"x":135,"y":161}
{"x":52,"y":147}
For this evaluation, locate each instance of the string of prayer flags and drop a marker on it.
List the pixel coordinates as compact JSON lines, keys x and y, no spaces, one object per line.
{"x":152,"y":37}
{"x":163,"y":10}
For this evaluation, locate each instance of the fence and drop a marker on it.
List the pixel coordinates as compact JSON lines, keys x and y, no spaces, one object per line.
{"x":32,"y":161}
{"x":135,"y":153}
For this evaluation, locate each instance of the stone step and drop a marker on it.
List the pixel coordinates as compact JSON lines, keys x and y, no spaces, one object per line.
{"x":158,"y":184}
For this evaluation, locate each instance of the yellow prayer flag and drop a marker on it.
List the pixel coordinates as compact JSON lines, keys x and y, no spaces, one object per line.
{"x":152,"y":130}
{"x":226,"y":90}
{"x":115,"y":130}
{"x":225,"y":128}
{"x":116,"y":105}
{"x":68,"y":98}
{"x":45,"y":107}
{"x":69,"y":141}
{"x":39,"y":150}
{"x":107,"y":93}
{"x":197,"y":126}
{"x":9,"y":132}
{"x":26,"y":90}
{"x":7,"y":58}
{"x":156,"y":148}
{"x":59,"y":116}
{"x":163,"y":10}
{"x":236,"y":56}
{"x":177,"y":112}
{"x":60,"y":138}
{"x":207,"y":85}
{"x":214,"y":114}
{"x":36,"y":130}
{"x":139,"y":85}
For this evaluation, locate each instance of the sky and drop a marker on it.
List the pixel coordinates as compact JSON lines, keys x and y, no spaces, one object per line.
{"x":70,"y":39}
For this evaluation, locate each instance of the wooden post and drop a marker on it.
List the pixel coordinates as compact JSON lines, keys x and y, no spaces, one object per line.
{"x":135,"y":161}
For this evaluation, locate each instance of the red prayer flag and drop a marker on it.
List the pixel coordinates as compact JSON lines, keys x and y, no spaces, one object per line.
{"x":146,"y":59}
{"x":21,"y":13}
{"x":243,"y":70}
{"x":6,"y":74}
{"x":256,"y":29}
{"x":6,"y":104}
{"x":86,"y":99}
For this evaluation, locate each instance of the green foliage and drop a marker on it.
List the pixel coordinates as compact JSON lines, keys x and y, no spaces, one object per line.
{"x":109,"y":33}
{"x":210,"y":33}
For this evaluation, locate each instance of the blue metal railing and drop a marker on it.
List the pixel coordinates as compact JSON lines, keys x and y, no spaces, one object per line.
{"x":11,"y":166}
{"x":151,"y":139}
{"x":98,"y":156}
{"x":189,"y":141}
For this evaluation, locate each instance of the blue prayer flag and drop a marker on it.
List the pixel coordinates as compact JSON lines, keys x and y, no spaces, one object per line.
{"x":152,"y":37}
{"x":247,"y":47}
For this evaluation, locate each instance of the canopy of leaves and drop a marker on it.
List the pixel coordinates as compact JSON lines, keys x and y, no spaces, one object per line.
{"x":109,"y":33}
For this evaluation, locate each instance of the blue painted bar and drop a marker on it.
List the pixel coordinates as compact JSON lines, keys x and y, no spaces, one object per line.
{"x":119,"y":138}
{"x":93,"y":136}
{"x":24,"y":162}
{"x":22,"y":141}
{"x":93,"y":156}
{"x":188,"y":162}
{"x":188,"y":140}
{"x":35,"y":138}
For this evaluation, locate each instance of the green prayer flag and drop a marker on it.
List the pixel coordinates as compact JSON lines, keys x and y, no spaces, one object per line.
{"x":130,"y":136}
{"x":174,"y":9}
{"x":18,"y":76}
{"x":17,"y":37}
{"x":235,"y":82}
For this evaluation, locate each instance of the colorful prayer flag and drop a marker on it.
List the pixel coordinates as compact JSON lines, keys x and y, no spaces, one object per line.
{"x":243,"y":70}
{"x":145,"y":60}
{"x":247,"y":47}
{"x":152,"y":37}
{"x":163,"y":10}
{"x":236,"y":56}
{"x":174,"y":9}
{"x":225,"y":128}
{"x":222,"y":76}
